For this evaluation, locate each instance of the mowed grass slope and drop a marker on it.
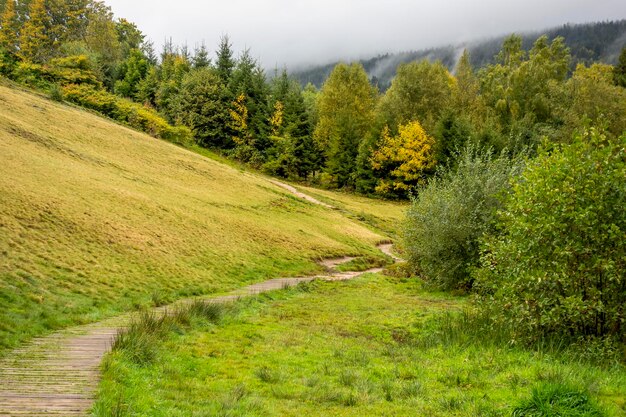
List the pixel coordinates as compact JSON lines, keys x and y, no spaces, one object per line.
{"x":380,"y":214}
{"x":96,"y":219}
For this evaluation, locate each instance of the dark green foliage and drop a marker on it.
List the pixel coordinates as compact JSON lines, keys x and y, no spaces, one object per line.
{"x":557,"y":400}
{"x":452,"y":213}
{"x":558,"y":266}
{"x":225,"y":62}
{"x":55,"y":93}
{"x":452,"y":133}
{"x":293,"y":152}
{"x":8,"y":62}
{"x":366,"y":179}
{"x":201,"y":57}
{"x":200,"y":105}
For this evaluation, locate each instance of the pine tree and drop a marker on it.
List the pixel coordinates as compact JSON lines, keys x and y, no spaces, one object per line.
{"x":34,"y":41}
{"x":147,"y":48}
{"x":248,"y":79}
{"x":10,"y":28}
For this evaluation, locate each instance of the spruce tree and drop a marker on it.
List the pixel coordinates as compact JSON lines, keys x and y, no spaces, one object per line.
{"x":225,"y":62}
{"x":201,"y":57}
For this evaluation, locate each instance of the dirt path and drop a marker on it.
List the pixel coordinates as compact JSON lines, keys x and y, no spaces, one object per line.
{"x":58,"y":375}
{"x":303,"y":196}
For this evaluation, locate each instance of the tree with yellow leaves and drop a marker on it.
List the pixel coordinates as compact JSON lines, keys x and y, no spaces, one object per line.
{"x":404,"y":159}
{"x":276,"y":119}
{"x":10,"y":28}
{"x":34,"y":40}
{"x":239,"y":116}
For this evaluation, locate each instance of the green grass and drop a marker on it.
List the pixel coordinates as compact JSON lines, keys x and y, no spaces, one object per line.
{"x":368,"y":347}
{"x":378,"y":213}
{"x":98,"y":219}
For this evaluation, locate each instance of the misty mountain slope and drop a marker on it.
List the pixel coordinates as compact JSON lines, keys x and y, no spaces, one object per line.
{"x":591,"y":42}
{"x":96,"y":219}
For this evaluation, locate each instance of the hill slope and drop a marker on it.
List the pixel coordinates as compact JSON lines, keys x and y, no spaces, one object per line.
{"x":96,"y":219}
{"x":590,"y":42}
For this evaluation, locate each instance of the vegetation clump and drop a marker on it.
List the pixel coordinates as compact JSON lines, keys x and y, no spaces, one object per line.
{"x":449,"y":217}
{"x":557,"y":265}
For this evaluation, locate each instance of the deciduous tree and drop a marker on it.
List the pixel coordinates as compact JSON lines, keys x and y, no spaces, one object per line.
{"x":346,"y":107}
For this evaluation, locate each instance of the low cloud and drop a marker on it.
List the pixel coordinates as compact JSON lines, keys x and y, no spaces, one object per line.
{"x":300,"y":32}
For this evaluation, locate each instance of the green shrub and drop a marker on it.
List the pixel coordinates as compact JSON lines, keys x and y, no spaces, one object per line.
{"x":125,"y":111}
{"x":75,"y":69}
{"x":34,"y":75}
{"x":557,"y":400}
{"x":447,"y":219}
{"x":558,"y":267}
{"x":55,"y":93}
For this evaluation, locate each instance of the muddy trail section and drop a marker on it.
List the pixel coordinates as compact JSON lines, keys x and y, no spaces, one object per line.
{"x":58,"y":375}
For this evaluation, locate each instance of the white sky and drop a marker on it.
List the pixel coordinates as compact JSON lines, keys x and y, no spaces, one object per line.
{"x":297,"y":32}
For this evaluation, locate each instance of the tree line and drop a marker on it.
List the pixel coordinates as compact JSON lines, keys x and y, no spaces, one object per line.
{"x":345,"y":135}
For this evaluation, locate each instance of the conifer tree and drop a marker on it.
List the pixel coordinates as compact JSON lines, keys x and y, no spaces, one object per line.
{"x":201,"y":57}
{"x":225,"y":62}
{"x":34,"y":41}
{"x":10,"y":28}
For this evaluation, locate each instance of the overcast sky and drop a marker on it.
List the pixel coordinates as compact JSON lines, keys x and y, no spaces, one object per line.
{"x":297,"y":32}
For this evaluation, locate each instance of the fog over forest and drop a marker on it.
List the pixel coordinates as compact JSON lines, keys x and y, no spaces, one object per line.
{"x":304,"y":32}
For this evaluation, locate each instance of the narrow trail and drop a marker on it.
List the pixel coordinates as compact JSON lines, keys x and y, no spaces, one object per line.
{"x":301,"y":195}
{"x":58,"y":375}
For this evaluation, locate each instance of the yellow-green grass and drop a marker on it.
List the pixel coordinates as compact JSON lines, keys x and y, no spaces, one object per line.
{"x":96,"y":219}
{"x":381,"y":214}
{"x":368,"y":347}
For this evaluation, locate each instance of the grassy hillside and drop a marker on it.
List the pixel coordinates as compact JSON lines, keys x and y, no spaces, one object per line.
{"x":379,"y":214}
{"x":96,"y":219}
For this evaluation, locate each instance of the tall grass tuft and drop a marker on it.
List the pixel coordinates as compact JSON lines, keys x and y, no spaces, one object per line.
{"x":140,"y":340}
{"x":555,"y":400}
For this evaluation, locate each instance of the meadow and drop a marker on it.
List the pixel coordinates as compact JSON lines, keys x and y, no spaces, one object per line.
{"x":375,"y":346}
{"x":97,"y":219}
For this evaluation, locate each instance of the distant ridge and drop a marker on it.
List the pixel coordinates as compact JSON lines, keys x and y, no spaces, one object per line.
{"x":589,"y":42}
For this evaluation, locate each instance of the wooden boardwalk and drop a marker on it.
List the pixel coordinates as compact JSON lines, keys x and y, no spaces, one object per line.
{"x":58,"y":375}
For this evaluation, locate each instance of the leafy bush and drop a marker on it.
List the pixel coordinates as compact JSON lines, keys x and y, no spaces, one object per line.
{"x":558,"y":267}
{"x":556,"y":400}
{"x":451,"y":214}
{"x":125,"y":111}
